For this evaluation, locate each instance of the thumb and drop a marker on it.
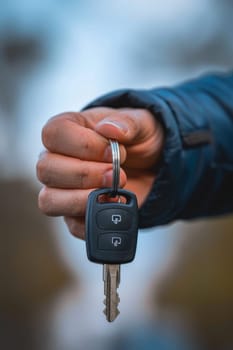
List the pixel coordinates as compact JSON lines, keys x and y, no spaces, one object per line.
{"x":124,"y":125}
{"x":138,"y":132}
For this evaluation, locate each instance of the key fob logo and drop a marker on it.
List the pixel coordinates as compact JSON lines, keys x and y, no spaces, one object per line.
{"x":116,"y":218}
{"x":116,"y":241}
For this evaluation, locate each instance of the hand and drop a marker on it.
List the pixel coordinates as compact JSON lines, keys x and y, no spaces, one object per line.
{"x":78,"y":158}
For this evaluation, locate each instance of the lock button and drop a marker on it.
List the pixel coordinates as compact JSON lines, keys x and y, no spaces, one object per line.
{"x":113,"y":219}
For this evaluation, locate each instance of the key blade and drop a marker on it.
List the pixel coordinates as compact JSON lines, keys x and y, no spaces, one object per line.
{"x":111,"y":311}
{"x":111,"y":283}
{"x":111,"y":277}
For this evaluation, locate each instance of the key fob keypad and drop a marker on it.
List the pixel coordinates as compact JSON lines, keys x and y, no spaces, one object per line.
{"x":111,"y":227}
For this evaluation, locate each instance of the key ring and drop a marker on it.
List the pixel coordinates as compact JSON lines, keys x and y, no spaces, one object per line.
{"x":115,"y":166}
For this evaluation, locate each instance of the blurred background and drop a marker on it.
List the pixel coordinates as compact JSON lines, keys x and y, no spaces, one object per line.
{"x":55,"y":56}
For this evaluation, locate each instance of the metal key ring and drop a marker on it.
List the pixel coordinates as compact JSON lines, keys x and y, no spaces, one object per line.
{"x":115,"y":166}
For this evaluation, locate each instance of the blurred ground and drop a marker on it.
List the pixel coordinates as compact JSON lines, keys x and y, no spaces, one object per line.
{"x":58,"y":55}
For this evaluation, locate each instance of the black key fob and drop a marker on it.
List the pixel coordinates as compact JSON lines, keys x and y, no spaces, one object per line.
{"x":111,"y":226}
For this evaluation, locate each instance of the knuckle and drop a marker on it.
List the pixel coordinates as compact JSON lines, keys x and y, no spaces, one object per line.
{"x":45,"y":134}
{"x":42,"y":170}
{"x":54,"y":126}
{"x":49,"y":132}
{"x":44,"y":201}
{"x":83,"y":179}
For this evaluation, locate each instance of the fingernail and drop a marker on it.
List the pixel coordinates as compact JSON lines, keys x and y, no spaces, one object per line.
{"x":116,"y":124}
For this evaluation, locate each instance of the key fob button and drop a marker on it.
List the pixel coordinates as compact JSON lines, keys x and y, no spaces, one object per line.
{"x":113,"y":241}
{"x":112,"y":219}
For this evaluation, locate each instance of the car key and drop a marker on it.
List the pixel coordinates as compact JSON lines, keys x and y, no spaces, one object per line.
{"x":111,"y":233}
{"x":111,"y":239}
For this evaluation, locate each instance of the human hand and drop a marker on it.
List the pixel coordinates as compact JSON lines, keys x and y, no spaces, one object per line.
{"x":78,"y":158}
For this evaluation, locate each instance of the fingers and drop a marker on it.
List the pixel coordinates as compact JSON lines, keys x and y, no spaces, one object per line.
{"x":73,"y":134}
{"x":63,"y":202}
{"x":69,"y":181}
{"x":86,"y":135}
{"x":69,"y":135}
{"x":58,"y":171}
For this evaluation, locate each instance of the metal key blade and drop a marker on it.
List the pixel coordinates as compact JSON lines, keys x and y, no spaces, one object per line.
{"x":111,"y":277}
